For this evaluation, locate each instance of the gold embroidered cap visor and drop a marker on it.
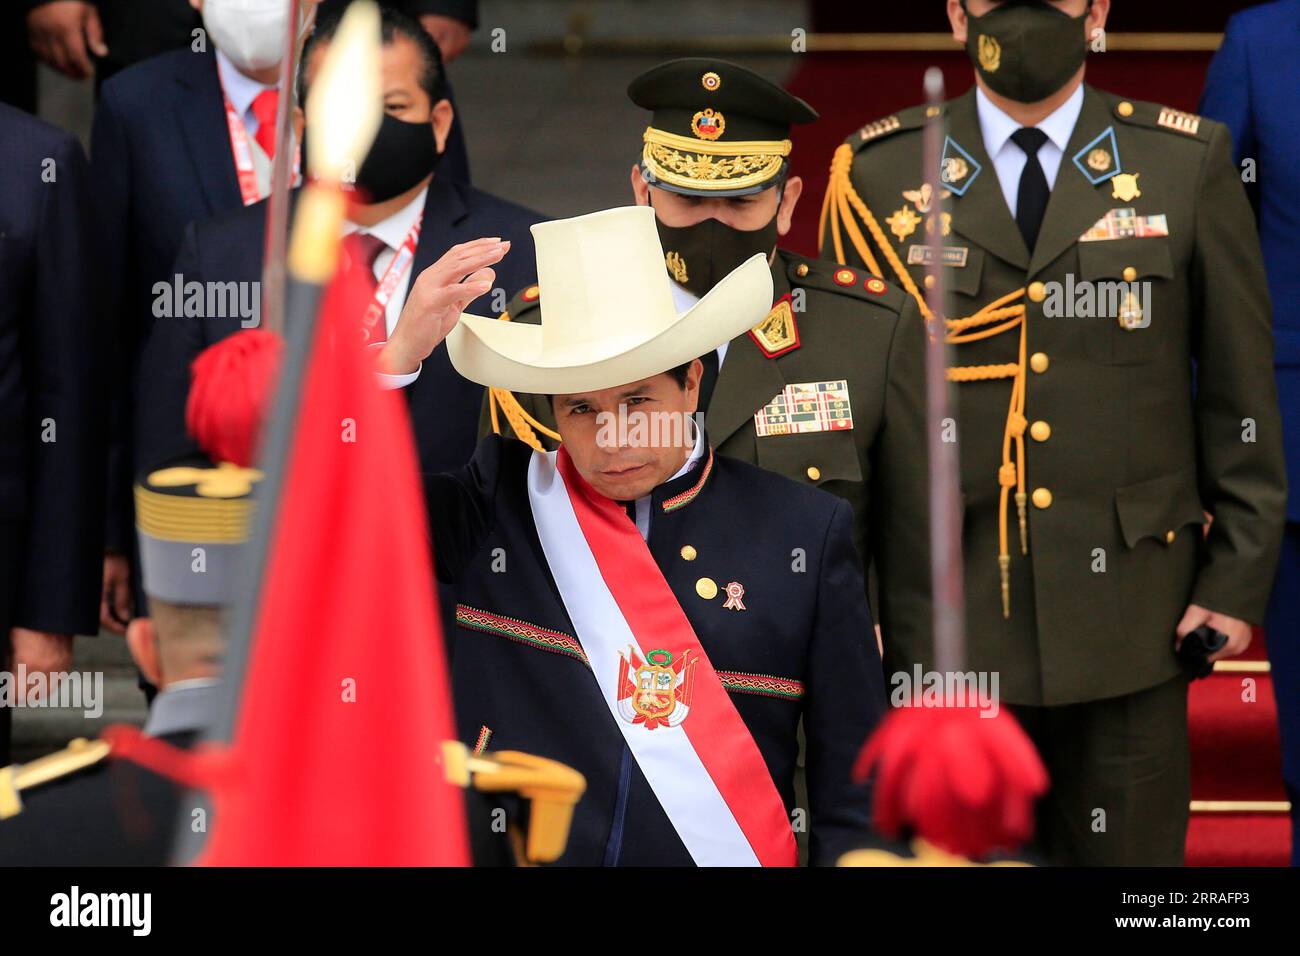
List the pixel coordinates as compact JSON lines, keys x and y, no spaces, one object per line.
{"x":192,"y":520}
{"x":717,"y":129}
{"x":609,"y":318}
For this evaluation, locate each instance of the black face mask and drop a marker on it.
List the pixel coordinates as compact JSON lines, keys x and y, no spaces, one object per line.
{"x":699,"y":256}
{"x":1026,"y":51}
{"x":401,"y":155}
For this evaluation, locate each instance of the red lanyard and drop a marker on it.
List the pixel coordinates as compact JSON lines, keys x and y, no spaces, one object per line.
{"x":397,"y":268}
{"x":243,"y":155}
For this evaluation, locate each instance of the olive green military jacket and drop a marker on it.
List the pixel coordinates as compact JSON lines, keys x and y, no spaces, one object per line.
{"x":1131,"y":433}
{"x":851,"y":328}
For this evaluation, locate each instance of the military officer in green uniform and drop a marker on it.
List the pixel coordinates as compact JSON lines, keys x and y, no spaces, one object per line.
{"x":829,"y":388}
{"x":1110,"y":323}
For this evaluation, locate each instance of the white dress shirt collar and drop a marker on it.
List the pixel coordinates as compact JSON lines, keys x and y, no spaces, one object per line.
{"x":241,"y":90}
{"x":996,"y":126}
{"x":396,"y":227}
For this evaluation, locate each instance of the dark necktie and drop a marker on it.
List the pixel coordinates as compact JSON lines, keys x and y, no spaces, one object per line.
{"x":1031,"y":198}
{"x":363,"y":249}
{"x":708,"y":380}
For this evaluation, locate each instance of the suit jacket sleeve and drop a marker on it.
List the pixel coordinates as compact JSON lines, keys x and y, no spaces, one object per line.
{"x":845,"y":695}
{"x":59,"y":590}
{"x":1227,"y":95}
{"x":461,"y":507}
{"x":109,"y":152}
{"x":1239,"y":429}
{"x":900,"y":518}
{"x":163,"y":385}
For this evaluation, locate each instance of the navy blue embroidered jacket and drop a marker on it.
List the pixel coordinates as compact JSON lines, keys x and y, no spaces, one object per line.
{"x":803,"y":647}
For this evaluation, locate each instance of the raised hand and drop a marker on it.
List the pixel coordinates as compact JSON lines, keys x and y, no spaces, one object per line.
{"x":438,"y":296}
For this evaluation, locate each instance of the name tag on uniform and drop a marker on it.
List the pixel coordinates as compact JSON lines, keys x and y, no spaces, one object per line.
{"x":806,"y":407}
{"x":1126,"y":224}
{"x":954,"y":256}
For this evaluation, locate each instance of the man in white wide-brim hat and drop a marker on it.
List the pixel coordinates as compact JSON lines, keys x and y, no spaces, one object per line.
{"x":655,"y":616}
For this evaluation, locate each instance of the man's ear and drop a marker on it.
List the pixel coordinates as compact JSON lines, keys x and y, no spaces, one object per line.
{"x":143,"y":643}
{"x":957,"y":18}
{"x":789,"y":199}
{"x":443,"y":114}
{"x":299,"y":123}
{"x":640,"y":188}
{"x":694,"y":375}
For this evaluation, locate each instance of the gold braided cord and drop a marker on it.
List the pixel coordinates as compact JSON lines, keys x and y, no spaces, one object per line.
{"x":840,"y":202}
{"x":519,"y":419}
{"x":738,"y":147}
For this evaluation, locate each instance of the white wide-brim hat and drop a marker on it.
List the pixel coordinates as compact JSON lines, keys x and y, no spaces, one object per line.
{"x":609,"y":318}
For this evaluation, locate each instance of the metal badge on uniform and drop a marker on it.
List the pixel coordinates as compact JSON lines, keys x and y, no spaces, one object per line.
{"x":806,"y":407}
{"x":954,"y":256}
{"x":1099,"y":160}
{"x":957,"y":168}
{"x":1126,"y":224}
{"x":778,"y":333}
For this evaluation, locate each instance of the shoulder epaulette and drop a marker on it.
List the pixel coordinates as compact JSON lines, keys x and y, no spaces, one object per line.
{"x":856,"y":283}
{"x":78,"y":755}
{"x":1155,"y":116}
{"x":912,"y":118}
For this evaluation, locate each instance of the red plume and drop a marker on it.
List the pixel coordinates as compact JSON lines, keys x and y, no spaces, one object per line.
{"x":961,"y":780}
{"x":231,"y":386}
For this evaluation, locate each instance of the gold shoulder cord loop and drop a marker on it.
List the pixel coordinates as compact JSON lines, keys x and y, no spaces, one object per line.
{"x":522,"y":422}
{"x":841,"y":201}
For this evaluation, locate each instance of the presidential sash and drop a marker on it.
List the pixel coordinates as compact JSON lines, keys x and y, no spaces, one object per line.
{"x":661,"y":689}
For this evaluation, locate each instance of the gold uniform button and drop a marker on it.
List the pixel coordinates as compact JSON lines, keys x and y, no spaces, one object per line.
{"x":1040,"y":431}
{"x":688,"y":553}
{"x":706,"y":588}
{"x":1125,"y":109}
{"x":814,"y":472}
{"x":1169,"y":537}
{"x":1130,"y":273}
{"x":929,"y":282}
{"x":932,"y":111}
{"x":1039,"y":362}
{"x":1037,"y":291}
{"x":801,"y":270}
{"x":1042,"y":498}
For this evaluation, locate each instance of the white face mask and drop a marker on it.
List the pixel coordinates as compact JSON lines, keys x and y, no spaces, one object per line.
{"x":250,"y":32}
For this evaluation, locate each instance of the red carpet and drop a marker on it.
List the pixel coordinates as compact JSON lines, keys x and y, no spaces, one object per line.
{"x":1235,"y":749}
{"x":1236,"y":756}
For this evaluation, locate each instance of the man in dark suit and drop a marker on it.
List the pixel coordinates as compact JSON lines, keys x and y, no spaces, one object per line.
{"x":51,"y":388}
{"x":1251,"y":88}
{"x":657,"y":616}
{"x":405,"y":193}
{"x":165,"y":155}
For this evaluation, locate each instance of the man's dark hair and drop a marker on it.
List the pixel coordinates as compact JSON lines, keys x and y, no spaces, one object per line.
{"x":393,"y":23}
{"x":678,"y":374}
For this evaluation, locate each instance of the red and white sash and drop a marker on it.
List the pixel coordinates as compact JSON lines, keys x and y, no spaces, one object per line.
{"x":700,"y":760}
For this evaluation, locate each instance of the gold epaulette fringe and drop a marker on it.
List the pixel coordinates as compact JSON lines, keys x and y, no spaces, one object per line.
{"x":1000,"y":315}
{"x":519,"y":419}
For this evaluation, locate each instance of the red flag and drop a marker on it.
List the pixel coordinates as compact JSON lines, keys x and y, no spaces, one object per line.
{"x":335,"y":758}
